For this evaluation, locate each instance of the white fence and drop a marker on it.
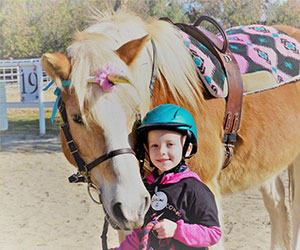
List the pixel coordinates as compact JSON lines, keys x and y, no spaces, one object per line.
{"x":10,"y":71}
{"x":3,"y":113}
{"x":30,"y":77}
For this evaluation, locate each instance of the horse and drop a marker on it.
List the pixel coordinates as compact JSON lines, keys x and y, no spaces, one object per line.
{"x":102,"y":119}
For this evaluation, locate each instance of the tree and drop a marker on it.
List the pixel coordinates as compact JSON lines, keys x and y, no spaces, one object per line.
{"x":30,"y":28}
{"x":286,"y":13}
{"x":15,"y":30}
{"x":158,"y":8}
{"x":228,"y":12}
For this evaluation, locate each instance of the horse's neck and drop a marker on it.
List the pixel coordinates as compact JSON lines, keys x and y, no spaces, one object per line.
{"x":161,"y":94}
{"x":208,"y":107}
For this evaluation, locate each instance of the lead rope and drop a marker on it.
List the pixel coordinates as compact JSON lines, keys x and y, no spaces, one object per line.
{"x":145,"y":236}
{"x":144,"y":240}
{"x":104,"y":234}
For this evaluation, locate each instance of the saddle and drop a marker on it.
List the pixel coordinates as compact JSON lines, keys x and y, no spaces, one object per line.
{"x":220,"y":49}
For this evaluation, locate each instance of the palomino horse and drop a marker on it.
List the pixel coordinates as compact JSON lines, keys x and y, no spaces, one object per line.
{"x":101,"y":117}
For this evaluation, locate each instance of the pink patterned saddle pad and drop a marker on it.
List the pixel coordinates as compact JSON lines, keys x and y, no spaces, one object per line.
{"x":256,"y":48}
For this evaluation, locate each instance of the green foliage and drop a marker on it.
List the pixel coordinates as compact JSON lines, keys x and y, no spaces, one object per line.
{"x":237,"y":12}
{"x":162,"y":8}
{"x":286,"y":13}
{"x":30,"y":28}
{"x":242,"y":12}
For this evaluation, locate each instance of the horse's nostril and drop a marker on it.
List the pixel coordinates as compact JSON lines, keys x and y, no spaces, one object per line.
{"x":117,"y":211}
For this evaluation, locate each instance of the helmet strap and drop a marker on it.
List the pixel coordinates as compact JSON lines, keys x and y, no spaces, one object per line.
{"x":144,"y":171}
{"x":186,"y":144}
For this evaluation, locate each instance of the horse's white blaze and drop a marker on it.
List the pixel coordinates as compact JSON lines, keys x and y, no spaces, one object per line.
{"x":111,"y":116}
{"x":129,"y":177}
{"x":128,"y":189}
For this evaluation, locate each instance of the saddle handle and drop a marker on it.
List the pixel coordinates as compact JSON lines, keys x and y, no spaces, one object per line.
{"x":219,"y":28}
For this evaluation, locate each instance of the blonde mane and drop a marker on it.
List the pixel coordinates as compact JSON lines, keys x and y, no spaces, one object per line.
{"x":95,"y":46}
{"x":175,"y":63}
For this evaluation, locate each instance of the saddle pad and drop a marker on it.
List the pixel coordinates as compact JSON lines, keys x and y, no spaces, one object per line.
{"x":256,"y":48}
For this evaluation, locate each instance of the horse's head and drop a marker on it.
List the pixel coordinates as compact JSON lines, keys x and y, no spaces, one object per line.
{"x":101,"y":103}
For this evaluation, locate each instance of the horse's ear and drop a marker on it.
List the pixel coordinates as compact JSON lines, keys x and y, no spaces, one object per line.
{"x":130,"y":50}
{"x":57,"y":66}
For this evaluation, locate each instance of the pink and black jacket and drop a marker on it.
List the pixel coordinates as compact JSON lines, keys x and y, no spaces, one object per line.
{"x":190,"y":204}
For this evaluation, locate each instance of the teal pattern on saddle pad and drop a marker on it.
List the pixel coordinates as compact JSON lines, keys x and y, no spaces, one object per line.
{"x":256,"y":48}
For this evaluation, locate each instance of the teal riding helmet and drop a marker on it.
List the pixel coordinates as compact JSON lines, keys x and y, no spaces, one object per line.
{"x":171,"y":117}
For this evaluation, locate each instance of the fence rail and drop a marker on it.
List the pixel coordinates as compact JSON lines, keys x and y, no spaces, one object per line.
{"x":10,"y":74}
{"x":28,"y":104}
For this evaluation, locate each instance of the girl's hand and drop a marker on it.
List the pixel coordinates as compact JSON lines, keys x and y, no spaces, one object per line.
{"x":165,"y":229}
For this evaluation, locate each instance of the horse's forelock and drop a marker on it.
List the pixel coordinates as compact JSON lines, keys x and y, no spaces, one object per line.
{"x":120,"y":28}
{"x":88,"y":53}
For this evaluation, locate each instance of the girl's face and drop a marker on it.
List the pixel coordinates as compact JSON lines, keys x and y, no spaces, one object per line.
{"x":165,"y":149}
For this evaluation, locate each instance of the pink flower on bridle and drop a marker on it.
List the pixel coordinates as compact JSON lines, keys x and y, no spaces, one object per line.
{"x":108,"y":77}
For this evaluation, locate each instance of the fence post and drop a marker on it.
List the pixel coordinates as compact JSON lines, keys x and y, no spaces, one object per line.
{"x":3,"y":108}
{"x":41,"y":106}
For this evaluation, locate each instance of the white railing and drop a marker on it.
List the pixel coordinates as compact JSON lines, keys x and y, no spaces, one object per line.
{"x":10,"y":73}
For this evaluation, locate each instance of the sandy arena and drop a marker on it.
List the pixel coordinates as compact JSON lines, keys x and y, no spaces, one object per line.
{"x":41,"y":210}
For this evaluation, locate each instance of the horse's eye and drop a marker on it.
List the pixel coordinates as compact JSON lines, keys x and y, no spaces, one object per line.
{"x":77,"y":119}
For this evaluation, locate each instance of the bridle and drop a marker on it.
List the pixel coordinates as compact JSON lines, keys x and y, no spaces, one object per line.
{"x":83,"y":169}
{"x":83,"y":173}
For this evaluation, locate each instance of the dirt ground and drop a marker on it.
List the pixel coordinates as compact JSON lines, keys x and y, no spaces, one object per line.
{"x":41,"y":210}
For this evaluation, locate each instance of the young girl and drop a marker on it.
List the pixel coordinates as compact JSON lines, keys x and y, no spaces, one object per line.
{"x":182,"y":207}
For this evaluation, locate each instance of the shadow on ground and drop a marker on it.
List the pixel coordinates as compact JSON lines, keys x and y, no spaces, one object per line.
{"x":30,"y":143}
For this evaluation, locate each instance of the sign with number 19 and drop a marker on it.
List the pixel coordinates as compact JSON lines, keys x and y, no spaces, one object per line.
{"x":30,"y":82}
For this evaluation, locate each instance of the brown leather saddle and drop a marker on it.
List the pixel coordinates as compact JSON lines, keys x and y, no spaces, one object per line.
{"x":221,"y":51}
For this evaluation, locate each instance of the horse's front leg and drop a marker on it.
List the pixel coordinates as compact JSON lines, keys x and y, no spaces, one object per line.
{"x":294,"y":175}
{"x":274,"y":200}
{"x":214,"y":187}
